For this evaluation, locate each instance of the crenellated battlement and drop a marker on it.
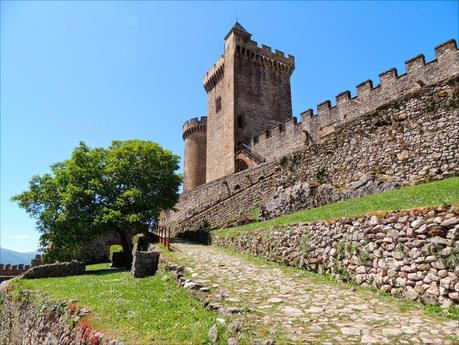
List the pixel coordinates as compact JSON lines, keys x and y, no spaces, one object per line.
{"x":13,"y":270}
{"x":194,"y":125}
{"x":214,"y":75}
{"x":8,"y":271}
{"x":279,"y":140}
{"x":265,"y":56}
{"x":249,"y":105}
{"x":391,"y":86}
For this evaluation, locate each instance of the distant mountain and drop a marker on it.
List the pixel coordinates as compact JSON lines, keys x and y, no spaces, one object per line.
{"x":11,"y":257}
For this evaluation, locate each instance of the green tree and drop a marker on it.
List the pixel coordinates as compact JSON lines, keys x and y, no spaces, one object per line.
{"x":122,"y":188}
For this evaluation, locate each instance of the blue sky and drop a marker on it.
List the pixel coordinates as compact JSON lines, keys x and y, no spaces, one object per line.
{"x":98,"y":71}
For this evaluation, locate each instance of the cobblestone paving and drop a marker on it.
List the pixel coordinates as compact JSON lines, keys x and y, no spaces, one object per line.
{"x":291,"y":308}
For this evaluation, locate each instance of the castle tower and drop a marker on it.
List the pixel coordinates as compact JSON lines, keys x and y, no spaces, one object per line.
{"x":194,"y":135}
{"x":248,"y":93}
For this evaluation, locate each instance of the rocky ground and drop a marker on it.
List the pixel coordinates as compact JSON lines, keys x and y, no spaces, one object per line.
{"x":287,"y":307}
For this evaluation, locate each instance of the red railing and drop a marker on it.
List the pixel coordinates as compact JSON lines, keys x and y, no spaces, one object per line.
{"x":164,"y":234}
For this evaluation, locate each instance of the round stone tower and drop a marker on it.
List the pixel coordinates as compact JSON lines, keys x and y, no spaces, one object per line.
{"x":195,"y":137}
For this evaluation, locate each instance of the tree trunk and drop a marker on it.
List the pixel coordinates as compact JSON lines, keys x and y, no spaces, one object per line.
{"x":126,"y":244}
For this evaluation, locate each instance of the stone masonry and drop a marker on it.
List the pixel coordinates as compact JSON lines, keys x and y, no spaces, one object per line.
{"x":248,"y":92}
{"x":412,"y":253}
{"x":249,"y":107}
{"x":410,"y":140}
{"x":405,"y":130}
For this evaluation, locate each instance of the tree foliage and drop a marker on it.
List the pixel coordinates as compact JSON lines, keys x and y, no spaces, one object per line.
{"x":122,"y":188}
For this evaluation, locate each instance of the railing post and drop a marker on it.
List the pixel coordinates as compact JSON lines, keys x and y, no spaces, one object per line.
{"x":169,"y":238}
{"x":160,"y":235}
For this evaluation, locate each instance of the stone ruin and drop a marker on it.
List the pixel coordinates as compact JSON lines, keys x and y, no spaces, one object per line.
{"x":145,"y":258}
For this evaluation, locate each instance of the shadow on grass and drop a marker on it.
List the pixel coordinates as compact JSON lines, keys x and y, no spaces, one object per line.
{"x":106,"y":271}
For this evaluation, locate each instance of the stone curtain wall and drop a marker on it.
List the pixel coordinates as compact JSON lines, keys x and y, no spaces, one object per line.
{"x":413,"y":139}
{"x":9,"y":271}
{"x":413,"y":253}
{"x":22,"y":322}
{"x":276,"y":142}
{"x":223,"y":201}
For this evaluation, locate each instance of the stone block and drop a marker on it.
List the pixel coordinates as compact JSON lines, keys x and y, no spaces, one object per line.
{"x":145,"y":264}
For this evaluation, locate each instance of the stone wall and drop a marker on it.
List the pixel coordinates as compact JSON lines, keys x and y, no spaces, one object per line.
{"x":9,"y":271}
{"x":223,"y":201}
{"x":412,"y":253}
{"x":413,"y":139}
{"x":23,"y":323}
{"x":58,"y":269}
{"x":316,"y":127}
{"x":98,"y":249}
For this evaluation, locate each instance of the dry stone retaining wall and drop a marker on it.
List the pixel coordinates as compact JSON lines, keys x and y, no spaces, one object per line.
{"x":413,"y":253}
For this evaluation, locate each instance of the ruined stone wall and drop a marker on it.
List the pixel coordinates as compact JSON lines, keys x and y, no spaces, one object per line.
{"x":413,"y":139}
{"x":316,"y":127}
{"x":22,"y":322}
{"x":412,"y":253}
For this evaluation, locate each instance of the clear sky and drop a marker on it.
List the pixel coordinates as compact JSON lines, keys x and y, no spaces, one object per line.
{"x":98,"y":71}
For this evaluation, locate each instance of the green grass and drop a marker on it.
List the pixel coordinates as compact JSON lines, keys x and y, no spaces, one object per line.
{"x":444,"y":192}
{"x":137,"y":311}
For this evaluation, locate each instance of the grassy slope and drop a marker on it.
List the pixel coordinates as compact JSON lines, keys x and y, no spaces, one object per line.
{"x":429,"y":194}
{"x":137,"y":311}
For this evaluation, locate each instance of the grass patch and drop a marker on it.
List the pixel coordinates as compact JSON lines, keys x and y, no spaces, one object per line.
{"x":444,"y":192}
{"x":136,"y":311}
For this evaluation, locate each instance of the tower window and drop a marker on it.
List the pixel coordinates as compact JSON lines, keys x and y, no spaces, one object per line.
{"x":240,"y":121}
{"x":218,"y":104}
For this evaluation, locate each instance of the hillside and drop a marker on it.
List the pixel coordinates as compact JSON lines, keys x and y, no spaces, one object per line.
{"x":8,"y":256}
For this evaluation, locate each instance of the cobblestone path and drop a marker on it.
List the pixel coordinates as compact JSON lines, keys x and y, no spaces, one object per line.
{"x":288,"y":307}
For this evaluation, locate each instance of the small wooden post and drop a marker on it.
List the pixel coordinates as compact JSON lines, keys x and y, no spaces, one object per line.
{"x":169,"y":238}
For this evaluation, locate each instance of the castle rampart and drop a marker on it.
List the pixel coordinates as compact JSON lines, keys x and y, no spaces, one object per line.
{"x":411,"y":139}
{"x":391,"y":87}
{"x":8,"y":271}
{"x":314,"y":127}
{"x":405,"y":128}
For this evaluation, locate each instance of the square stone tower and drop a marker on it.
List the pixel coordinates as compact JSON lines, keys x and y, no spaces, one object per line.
{"x":248,"y":93}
